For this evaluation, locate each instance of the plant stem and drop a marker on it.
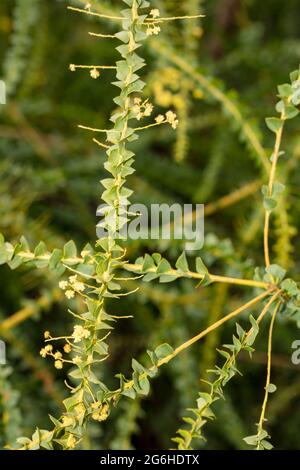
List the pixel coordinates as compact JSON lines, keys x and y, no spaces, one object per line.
{"x":268,"y":379}
{"x":201,"y":335}
{"x":270,"y":188}
{"x":213,"y":277}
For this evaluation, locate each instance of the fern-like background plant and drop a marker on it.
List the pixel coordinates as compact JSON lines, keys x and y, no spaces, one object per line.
{"x":163,"y":102}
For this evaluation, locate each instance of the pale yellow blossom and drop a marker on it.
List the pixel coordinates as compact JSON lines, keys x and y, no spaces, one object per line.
{"x":67,"y":348}
{"x":155,"y":13}
{"x":69,"y":294}
{"x":80,"y":333}
{"x":71,"y":442}
{"x":43,"y":352}
{"x":77,"y":360}
{"x":58,"y":364}
{"x":94,"y":73}
{"x":63,"y":285}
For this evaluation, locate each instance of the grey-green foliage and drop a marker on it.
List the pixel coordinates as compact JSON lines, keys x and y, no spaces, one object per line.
{"x":10,"y":415}
{"x":25,"y":18}
{"x":243,"y":341}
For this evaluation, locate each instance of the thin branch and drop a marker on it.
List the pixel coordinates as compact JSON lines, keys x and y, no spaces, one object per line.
{"x":268,"y":379}
{"x":92,"y":13}
{"x":213,"y":277}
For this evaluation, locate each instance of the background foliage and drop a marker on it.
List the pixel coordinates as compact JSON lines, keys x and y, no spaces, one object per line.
{"x":225,"y":87}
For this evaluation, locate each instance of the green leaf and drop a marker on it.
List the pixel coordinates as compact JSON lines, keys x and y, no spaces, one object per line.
{"x":182,"y":264}
{"x":72,"y":401}
{"x":70,"y":250}
{"x":278,"y":189}
{"x":266,"y":444}
{"x":251,"y":440}
{"x":290,"y":286}
{"x":254,"y":331}
{"x":269,"y":203}
{"x":285,"y":90}
{"x":274,"y":124}
{"x":168,"y":278}
{"x":290,"y":111}
{"x":148,"y":263}
{"x":163,"y":351}
{"x":137,"y":367}
{"x":164,"y":267}
{"x":276,"y":272}
{"x":271,"y":388}
{"x":200,"y":266}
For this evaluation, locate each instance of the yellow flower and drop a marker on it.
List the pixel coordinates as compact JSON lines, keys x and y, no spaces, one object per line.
{"x":80,"y":410}
{"x":58,"y":364}
{"x":153,"y":30}
{"x":48,"y":348}
{"x":63,"y":285}
{"x":80,"y":333}
{"x":67,"y":421}
{"x":67,"y":348}
{"x":43,"y":352}
{"x":72,"y":67}
{"x":71,"y":442}
{"x":148,"y":109}
{"x":160,"y":118}
{"x":101,"y":414}
{"x":79,"y":286}
{"x":57,"y":355}
{"x":47,"y":334}
{"x":155,"y":13}
{"x":172,"y":119}
{"x":69,"y":294}
{"x":94,"y":73}
{"x":77,"y":360}
{"x":96,"y":405}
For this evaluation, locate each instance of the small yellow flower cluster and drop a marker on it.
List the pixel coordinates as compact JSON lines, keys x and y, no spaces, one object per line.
{"x":71,"y":442}
{"x":72,"y":67}
{"x":57,"y":355}
{"x":67,"y":348}
{"x":155,"y":13}
{"x":71,"y":286}
{"x":80,"y":333}
{"x":169,"y":117}
{"x":142,"y":108}
{"x":152,"y":27}
{"x":101,"y":412}
{"x":80,"y":411}
{"x":77,"y":360}
{"x":160,"y":119}
{"x":94,"y":73}
{"x":172,"y":119}
{"x":48,"y":351}
{"x":58,"y":364}
{"x":67,"y":421}
{"x":153,"y":30}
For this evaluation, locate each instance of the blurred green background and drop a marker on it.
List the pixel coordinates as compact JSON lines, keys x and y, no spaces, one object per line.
{"x":220,"y":76}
